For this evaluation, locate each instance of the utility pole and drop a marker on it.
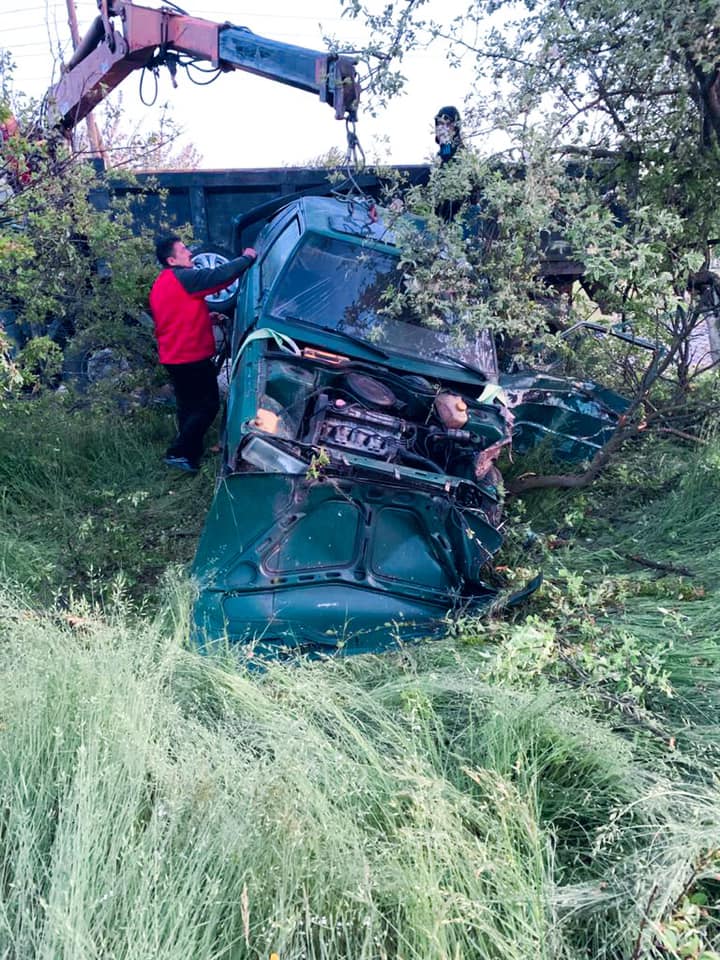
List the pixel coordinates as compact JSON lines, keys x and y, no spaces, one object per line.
{"x":96,"y":144}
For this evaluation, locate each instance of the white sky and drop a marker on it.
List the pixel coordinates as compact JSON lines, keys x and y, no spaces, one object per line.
{"x":242,"y":120}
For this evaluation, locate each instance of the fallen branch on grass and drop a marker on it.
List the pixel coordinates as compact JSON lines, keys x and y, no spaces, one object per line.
{"x":626,"y":705}
{"x":681,"y":434}
{"x":643,"y":923}
{"x":655,"y":565}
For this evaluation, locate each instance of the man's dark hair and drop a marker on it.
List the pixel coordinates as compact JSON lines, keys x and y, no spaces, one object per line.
{"x":164,"y":248}
{"x":449,"y":114}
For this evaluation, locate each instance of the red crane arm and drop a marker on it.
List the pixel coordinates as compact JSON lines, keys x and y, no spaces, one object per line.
{"x":150,"y":37}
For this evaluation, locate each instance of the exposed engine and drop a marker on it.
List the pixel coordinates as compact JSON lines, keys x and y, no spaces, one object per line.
{"x":337,"y":423}
{"x":402,"y":420}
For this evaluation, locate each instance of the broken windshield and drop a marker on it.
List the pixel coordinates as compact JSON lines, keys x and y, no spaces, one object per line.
{"x":341,"y":285}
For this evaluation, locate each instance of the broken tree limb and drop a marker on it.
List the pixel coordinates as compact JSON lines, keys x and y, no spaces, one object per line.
{"x":681,"y":434}
{"x":576,"y":481}
{"x":629,"y":425}
{"x":655,"y":565}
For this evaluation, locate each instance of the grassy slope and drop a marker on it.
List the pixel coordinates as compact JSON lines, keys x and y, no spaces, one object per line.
{"x":542,"y":787}
{"x":87,"y":499}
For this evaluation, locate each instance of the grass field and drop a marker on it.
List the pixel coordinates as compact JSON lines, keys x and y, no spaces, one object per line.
{"x":538,"y":787}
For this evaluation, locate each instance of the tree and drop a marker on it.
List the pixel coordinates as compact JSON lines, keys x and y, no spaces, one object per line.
{"x":70,"y":268}
{"x":131,"y":148}
{"x":600,"y":123}
{"x":66,"y":264}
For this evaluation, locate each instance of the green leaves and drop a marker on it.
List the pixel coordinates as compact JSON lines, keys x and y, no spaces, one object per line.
{"x":608,"y":118}
{"x":65,"y":265}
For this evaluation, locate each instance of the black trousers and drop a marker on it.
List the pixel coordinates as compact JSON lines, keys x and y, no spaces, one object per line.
{"x":198,"y":401}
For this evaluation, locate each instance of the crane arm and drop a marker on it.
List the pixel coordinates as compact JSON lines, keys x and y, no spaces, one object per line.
{"x":150,"y":37}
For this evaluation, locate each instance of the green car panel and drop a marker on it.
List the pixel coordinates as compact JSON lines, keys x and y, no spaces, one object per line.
{"x":574,"y":418}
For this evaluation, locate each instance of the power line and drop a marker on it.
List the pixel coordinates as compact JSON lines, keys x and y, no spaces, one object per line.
{"x":294,"y":36}
{"x":15,"y":29}
{"x":220,"y":14}
{"x":25,"y":46}
{"x":46,"y":7}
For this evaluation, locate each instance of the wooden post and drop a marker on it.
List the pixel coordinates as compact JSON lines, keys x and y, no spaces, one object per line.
{"x":96,"y":145}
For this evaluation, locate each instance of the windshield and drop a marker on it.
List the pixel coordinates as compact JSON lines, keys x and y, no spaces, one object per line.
{"x":340,"y":285}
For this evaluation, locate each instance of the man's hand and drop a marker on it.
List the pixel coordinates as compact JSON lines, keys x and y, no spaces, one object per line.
{"x":250,"y":252}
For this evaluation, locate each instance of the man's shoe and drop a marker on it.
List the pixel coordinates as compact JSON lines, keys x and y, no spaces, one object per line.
{"x":181,"y":463}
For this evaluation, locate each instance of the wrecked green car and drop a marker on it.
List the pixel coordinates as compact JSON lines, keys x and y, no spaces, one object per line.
{"x":358,"y":500}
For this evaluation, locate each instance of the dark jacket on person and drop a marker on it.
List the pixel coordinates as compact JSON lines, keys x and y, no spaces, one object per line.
{"x":183,"y":327}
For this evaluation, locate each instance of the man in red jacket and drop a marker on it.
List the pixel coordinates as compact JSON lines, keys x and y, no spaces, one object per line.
{"x":186,"y":343}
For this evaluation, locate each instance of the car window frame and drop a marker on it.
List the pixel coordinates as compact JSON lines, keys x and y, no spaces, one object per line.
{"x":263,"y":287}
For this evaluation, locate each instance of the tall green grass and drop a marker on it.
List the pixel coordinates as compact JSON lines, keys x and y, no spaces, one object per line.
{"x":674,"y":613}
{"x":455,"y":801}
{"x":155,"y":804}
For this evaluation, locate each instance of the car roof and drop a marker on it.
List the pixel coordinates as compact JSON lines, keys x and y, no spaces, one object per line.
{"x":353,"y":216}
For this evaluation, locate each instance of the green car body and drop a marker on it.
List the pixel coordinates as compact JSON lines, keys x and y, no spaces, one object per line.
{"x":358,"y":500}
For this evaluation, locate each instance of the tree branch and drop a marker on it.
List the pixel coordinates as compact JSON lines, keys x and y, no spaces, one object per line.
{"x":628,"y":425}
{"x":576,"y":481}
{"x":655,"y":565}
{"x":599,"y":153}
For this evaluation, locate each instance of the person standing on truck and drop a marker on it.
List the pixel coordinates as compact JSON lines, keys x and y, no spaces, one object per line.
{"x":186,"y":342}
{"x":448,"y":134}
{"x":451,"y":152}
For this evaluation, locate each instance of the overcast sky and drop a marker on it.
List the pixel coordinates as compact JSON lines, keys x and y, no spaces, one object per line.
{"x":242,"y":120}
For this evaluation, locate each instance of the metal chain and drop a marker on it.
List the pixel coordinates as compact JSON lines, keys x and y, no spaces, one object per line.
{"x":355,"y":156}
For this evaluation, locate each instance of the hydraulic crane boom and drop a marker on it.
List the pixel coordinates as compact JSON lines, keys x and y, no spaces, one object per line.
{"x":150,"y":37}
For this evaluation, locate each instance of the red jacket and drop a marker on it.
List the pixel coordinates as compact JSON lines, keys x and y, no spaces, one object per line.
{"x":183,"y":328}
